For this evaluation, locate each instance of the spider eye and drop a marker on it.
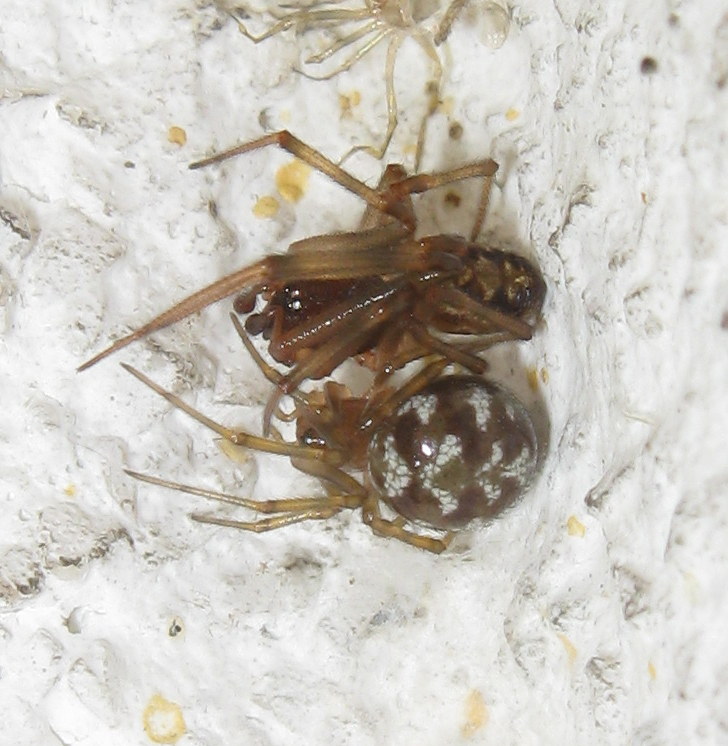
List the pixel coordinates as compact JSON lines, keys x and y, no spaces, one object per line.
{"x":519,"y":294}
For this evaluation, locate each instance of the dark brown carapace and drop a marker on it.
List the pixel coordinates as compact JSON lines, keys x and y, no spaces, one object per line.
{"x":385,"y":297}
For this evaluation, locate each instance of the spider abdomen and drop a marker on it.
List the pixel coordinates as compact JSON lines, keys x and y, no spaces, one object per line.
{"x":460,"y":449}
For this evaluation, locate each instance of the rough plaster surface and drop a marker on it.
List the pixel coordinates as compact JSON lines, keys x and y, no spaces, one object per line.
{"x":593,"y":613}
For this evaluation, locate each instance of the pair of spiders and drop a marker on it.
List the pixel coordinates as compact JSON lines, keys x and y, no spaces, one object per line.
{"x":434,"y":452}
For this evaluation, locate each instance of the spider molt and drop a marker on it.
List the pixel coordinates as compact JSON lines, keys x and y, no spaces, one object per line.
{"x":363,"y":26}
{"x":438,"y":449}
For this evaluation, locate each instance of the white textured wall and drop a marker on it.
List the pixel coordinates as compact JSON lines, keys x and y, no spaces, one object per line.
{"x":526,"y":632}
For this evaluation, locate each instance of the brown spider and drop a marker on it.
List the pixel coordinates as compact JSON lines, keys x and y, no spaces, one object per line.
{"x":439,"y":450}
{"x":379,"y":292}
{"x":371,"y":24}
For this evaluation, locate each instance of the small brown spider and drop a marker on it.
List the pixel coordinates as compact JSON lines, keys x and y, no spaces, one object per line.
{"x":378,"y":293}
{"x":374,"y":22}
{"x":440,"y":451}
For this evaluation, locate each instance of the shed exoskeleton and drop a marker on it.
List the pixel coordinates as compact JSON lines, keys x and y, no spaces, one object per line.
{"x":359,"y":28}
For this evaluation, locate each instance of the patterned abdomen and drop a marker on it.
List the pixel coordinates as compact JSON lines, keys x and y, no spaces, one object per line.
{"x":462,"y":448}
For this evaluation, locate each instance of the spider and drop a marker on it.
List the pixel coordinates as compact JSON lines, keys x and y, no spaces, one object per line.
{"x":440,"y":450}
{"x":371,"y":24}
{"x":378,"y":293}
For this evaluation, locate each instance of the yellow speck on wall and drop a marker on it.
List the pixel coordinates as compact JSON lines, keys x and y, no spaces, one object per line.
{"x":347,"y":102}
{"x":476,"y":714}
{"x":292,"y":179}
{"x":575,"y":527}
{"x":532,"y":377}
{"x":266,"y":207}
{"x":163,"y":721}
{"x":177,"y":135}
{"x":536,"y":377}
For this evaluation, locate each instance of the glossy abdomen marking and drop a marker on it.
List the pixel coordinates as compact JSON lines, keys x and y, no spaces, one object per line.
{"x":460,"y":449}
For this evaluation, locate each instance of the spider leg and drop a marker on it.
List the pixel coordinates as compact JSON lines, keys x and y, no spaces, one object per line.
{"x":271,"y":523}
{"x":341,"y":481}
{"x":253,"y":275}
{"x":353,"y":59}
{"x":424,"y":182}
{"x":447,"y":21}
{"x":347,"y":258}
{"x":289,"y":510}
{"x":242,"y":438}
{"x":490,"y":319}
{"x":478,"y":343}
{"x":303,"y":18}
{"x":271,"y":374}
{"x":454,"y":354}
{"x":285,"y":505}
{"x":462,"y":352}
{"x":482,"y":208}
{"x":288,"y":142}
{"x":332,"y":49}
{"x":388,"y":200}
{"x":433,"y":90}
{"x":394,"y":529}
{"x":382,"y":406}
{"x":383,"y":236}
{"x":391,"y":98}
{"x":321,"y":257}
{"x":371,"y":217}
{"x":281,"y":25}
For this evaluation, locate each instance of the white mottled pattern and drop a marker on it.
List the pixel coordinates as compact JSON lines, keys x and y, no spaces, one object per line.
{"x":479,"y":400}
{"x":395,"y":471}
{"x":521,"y":467}
{"x":493,"y":491}
{"x":496,"y":453}
{"x":450,"y":449}
{"x":424,"y":406}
